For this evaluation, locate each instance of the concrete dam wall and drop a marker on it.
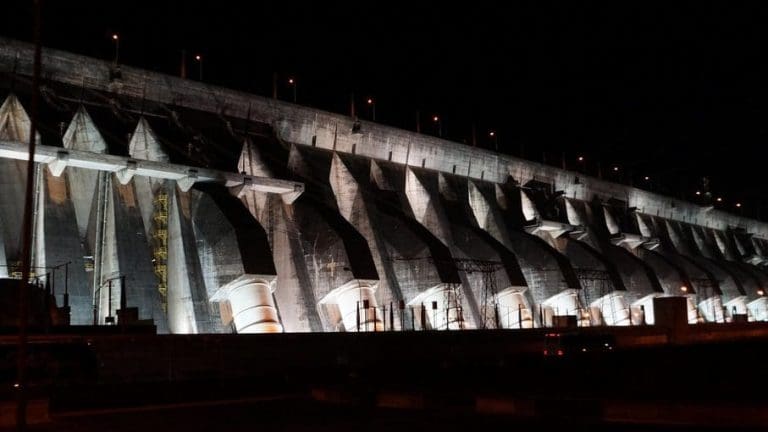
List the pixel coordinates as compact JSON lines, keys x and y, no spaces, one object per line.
{"x":212,"y":211}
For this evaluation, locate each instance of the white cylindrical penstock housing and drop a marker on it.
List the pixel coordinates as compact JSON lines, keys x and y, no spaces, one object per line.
{"x":253,"y":307}
{"x":351,"y":300}
{"x":513,"y":310}
{"x":442,"y":308}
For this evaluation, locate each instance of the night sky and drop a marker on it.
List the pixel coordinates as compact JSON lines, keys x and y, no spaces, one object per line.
{"x":675,"y":92}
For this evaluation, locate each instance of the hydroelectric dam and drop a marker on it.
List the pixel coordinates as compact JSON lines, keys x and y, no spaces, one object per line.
{"x":215,"y":211}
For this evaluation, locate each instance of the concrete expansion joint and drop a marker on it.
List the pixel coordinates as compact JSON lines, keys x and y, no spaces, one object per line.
{"x":555,"y":229}
{"x":634,"y":241}
{"x":59,"y":163}
{"x":239,"y":190}
{"x":125,"y":175}
{"x":578,"y":232}
{"x":186,"y":183}
{"x":289,"y":197}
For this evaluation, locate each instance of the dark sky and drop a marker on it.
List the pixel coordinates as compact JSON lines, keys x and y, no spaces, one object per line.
{"x":670,"y":90}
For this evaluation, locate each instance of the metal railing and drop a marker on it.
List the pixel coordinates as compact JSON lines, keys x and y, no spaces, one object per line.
{"x":49,"y":277}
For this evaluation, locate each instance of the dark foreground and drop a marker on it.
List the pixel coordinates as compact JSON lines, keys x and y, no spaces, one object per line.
{"x":302,"y":415}
{"x":645,"y":378}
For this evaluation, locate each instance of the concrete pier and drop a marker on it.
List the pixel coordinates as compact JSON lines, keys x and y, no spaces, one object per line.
{"x":216,"y":211}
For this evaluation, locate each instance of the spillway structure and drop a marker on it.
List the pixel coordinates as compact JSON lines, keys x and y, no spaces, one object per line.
{"x":214,"y":211}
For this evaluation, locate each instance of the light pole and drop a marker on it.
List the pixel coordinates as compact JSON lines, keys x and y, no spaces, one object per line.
{"x":199,"y":60}
{"x":116,"y":39}
{"x":292,"y":84}
{"x":274,"y":85}
{"x":418,"y":122}
{"x":582,"y":164}
{"x":495,"y":139}
{"x":438,"y":122}
{"x":183,"y":65}
{"x":372,"y":104}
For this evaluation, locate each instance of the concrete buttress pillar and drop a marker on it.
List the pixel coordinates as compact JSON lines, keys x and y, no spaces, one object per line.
{"x":144,"y":145}
{"x":55,"y":239}
{"x":294,"y":291}
{"x":82,"y":134}
{"x":166,"y":211}
{"x":355,"y":205}
{"x":422,"y":190}
{"x":426,"y":210}
{"x":14,"y":126}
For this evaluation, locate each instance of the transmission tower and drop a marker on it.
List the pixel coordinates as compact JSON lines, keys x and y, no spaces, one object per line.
{"x":488,"y":271}
{"x":591,"y":281}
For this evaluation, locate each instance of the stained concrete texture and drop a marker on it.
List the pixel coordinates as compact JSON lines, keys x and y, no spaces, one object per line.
{"x":405,"y":216}
{"x":14,"y":126}
{"x":145,"y":145}
{"x":189,"y":308}
{"x":126,"y":259}
{"x":547,"y":269}
{"x":334,"y":252}
{"x":58,"y":244}
{"x":82,"y":134}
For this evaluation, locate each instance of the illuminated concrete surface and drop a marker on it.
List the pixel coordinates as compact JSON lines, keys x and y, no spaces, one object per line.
{"x":232,"y":212}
